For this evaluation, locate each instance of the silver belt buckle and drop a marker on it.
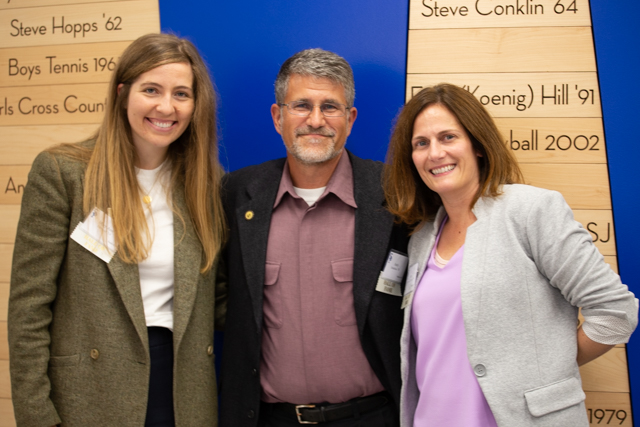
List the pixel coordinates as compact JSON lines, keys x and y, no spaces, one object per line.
{"x":298,"y":414}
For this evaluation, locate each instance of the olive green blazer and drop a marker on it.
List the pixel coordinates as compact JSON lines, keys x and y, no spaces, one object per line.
{"x":78,"y":341}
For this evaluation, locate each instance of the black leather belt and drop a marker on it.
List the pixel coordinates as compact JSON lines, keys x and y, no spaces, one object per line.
{"x":324,"y":412}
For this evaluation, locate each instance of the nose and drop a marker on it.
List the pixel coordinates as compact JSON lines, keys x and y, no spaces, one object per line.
{"x":165,"y":105}
{"x":316,"y":118}
{"x":435,"y":151}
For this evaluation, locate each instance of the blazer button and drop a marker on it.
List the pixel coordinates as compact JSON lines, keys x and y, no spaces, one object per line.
{"x":248,"y":215}
{"x":480,"y":370}
{"x":210,"y":350}
{"x":94,"y":354}
{"x":250,"y":413}
{"x":254,"y":372}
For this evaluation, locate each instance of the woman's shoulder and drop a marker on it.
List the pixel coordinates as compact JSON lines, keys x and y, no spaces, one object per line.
{"x":524,"y":191}
{"x":522,"y":196}
{"x":518,"y":202}
{"x":64,"y":159}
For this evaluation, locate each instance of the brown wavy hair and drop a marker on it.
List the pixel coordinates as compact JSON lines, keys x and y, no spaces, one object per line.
{"x":408,"y":197}
{"x":110,"y":178}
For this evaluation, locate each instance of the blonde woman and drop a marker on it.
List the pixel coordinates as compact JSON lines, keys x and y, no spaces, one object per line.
{"x":113,"y":295}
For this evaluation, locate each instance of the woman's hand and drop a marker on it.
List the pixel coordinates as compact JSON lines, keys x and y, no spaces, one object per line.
{"x":589,"y":349}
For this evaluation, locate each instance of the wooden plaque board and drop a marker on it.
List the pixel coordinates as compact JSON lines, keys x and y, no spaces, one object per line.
{"x":56,"y":59}
{"x":532,"y":64}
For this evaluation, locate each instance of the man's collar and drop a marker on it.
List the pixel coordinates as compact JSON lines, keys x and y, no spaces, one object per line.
{"x":340,"y":183}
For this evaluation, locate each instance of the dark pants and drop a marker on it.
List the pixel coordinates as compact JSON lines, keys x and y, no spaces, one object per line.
{"x":384,"y":416}
{"x":160,"y":404}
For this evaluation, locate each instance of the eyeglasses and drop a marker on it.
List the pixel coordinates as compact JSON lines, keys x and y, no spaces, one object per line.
{"x":304,"y":108}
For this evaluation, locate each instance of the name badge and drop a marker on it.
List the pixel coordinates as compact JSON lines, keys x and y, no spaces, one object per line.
{"x":410,"y":286}
{"x":95,"y":234}
{"x":391,"y":276}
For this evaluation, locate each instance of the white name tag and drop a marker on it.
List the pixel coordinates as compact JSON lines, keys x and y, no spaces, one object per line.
{"x":95,"y":234}
{"x":410,"y":285}
{"x":406,"y":300}
{"x":392,"y":274}
{"x":395,"y":267}
{"x":388,"y":287}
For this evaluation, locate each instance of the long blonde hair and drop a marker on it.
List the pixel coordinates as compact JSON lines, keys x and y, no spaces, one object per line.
{"x":110,"y":178}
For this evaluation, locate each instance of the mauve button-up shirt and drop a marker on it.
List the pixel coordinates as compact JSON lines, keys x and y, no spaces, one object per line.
{"x":311,"y":352}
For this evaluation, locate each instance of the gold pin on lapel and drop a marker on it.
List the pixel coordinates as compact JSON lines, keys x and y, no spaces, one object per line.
{"x":248,"y":215}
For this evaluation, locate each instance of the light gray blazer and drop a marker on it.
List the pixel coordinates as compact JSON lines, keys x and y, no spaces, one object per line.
{"x":527,"y":267}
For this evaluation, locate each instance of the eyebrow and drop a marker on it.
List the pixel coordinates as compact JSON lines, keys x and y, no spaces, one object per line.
{"x":152,"y":83}
{"x":326,"y":101}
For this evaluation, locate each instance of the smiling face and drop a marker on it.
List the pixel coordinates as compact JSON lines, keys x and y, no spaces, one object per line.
{"x":444,"y":156}
{"x":159,"y":109}
{"x":314,"y":139}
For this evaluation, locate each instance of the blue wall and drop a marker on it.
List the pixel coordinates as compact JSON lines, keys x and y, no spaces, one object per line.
{"x":245,"y":42}
{"x":617,"y":41}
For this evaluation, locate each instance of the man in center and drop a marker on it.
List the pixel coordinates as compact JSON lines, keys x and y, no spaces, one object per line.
{"x":315,"y":268}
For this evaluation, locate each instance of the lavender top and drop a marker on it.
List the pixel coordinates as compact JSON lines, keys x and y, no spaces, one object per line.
{"x":449,"y":391}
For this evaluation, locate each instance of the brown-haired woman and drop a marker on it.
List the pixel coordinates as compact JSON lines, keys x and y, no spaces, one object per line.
{"x":497,"y":271}
{"x":113,"y":296}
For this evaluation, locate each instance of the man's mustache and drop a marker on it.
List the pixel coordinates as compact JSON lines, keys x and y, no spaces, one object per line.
{"x":307,"y":130}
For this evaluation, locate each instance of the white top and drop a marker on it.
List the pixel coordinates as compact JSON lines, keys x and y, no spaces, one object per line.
{"x":310,"y":195}
{"x":156,"y":272}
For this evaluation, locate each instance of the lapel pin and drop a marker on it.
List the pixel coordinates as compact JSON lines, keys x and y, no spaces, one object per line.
{"x":248,"y":215}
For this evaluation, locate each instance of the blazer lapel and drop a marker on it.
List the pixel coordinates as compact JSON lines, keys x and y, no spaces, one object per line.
{"x":373,"y":229}
{"x":127,"y":280}
{"x":472,"y":278}
{"x":253,"y":217}
{"x":187,"y":258}
{"x":421,"y":244}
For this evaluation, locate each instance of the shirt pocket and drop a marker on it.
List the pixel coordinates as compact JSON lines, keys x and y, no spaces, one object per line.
{"x":272,"y":304}
{"x":343,"y":309}
{"x":554,"y":397}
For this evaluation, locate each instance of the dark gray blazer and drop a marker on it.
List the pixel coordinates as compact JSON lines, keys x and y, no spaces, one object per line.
{"x":379,"y":316}
{"x":77,"y":331}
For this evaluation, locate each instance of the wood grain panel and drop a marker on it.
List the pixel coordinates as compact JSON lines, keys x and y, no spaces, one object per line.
{"x":58,"y":104}
{"x":501,"y":50}
{"x":608,"y":409}
{"x":6,"y":254}
{"x":599,"y":223}
{"x":607,"y":373}
{"x":80,"y":23}
{"x":10,"y":215}
{"x":523,"y":94}
{"x":66,"y":64}
{"x":12,"y":182}
{"x":5,"y":380}
{"x":501,"y":13}
{"x":583,"y":186}
{"x":6,"y":413}
{"x":612,"y":261}
{"x":550,"y":140}
{"x":4,"y":343}
{"x":4,"y":294}
{"x":21,"y":144}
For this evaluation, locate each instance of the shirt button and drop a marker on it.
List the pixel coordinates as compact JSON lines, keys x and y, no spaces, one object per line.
{"x":250,"y":413}
{"x":95,"y":354}
{"x":210,"y":350}
{"x":480,"y":370}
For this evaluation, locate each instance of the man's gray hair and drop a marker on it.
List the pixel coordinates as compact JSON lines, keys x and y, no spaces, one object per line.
{"x":317,"y":63}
